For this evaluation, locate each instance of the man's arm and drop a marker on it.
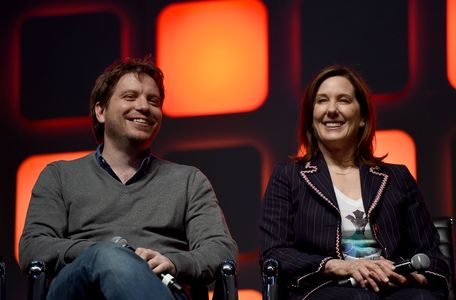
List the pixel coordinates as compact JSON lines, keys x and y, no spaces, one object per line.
{"x":209,"y":239}
{"x":45,"y":227}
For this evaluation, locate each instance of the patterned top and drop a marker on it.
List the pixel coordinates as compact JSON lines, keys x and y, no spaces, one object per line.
{"x":357,"y":239}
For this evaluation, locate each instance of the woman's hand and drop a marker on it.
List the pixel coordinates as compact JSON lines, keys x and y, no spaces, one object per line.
{"x":375,"y":274}
{"x":398,"y":280}
{"x":367,"y":273}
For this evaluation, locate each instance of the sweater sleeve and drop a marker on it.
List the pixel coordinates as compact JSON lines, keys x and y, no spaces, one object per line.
{"x":210,"y":242}
{"x":46,"y":226}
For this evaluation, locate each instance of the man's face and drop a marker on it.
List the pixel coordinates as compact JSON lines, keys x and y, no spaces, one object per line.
{"x":133,"y":115}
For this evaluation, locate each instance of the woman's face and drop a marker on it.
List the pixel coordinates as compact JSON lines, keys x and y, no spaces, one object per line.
{"x":336,"y":114}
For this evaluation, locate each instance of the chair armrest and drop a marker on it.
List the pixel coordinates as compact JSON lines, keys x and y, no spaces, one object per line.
{"x":37,"y":281}
{"x":225,"y":285}
{"x":226,"y":282}
{"x":270,"y":275}
{"x":2,"y":280}
{"x":444,"y":226}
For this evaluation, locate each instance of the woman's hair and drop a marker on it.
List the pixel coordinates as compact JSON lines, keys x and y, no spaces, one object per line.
{"x":107,"y":81}
{"x":364,"y":152}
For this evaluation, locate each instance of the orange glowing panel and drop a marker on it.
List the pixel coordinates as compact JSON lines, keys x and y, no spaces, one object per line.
{"x":451,"y":42}
{"x":399,"y":146}
{"x":27,"y":174}
{"x":245,"y":295}
{"x":214,"y":55}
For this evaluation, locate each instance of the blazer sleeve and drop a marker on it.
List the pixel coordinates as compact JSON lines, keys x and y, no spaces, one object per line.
{"x":422,"y":236}
{"x":277,"y":229}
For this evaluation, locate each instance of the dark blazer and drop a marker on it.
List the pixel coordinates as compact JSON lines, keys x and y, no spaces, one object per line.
{"x":301,"y":224}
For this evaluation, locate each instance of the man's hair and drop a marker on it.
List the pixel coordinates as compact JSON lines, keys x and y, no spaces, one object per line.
{"x":107,"y":81}
{"x":364,"y":152}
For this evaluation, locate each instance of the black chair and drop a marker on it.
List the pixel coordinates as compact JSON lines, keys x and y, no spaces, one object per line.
{"x":225,"y":287}
{"x":444,"y":226}
{"x":2,"y":279}
{"x":274,"y":291}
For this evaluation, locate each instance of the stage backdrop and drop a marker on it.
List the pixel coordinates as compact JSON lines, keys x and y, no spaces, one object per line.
{"x":234,"y":75}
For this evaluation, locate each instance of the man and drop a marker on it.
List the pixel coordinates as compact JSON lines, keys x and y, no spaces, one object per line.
{"x":167,"y":213}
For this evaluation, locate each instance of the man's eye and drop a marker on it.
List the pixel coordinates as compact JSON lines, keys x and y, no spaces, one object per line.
{"x":155,"y":101}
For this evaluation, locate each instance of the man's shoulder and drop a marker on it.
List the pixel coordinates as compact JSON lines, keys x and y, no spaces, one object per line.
{"x":168,"y":166}
{"x":78,"y":162}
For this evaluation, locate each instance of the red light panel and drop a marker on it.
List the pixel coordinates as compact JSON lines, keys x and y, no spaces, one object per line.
{"x":451,"y":42}
{"x":27,"y":174}
{"x":399,"y":146}
{"x":215,"y":57}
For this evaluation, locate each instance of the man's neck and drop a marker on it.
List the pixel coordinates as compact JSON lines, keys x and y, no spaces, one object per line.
{"x":124,"y":159}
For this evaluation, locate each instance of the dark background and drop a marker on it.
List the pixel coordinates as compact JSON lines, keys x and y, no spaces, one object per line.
{"x":49,"y":61}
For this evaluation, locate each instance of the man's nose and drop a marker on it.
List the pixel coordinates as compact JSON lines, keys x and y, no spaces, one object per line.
{"x":141,"y":103}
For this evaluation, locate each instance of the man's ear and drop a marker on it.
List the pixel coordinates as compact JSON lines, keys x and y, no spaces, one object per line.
{"x":99,"y":112}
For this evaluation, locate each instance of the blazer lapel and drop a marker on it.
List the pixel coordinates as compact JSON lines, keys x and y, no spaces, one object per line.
{"x":373,"y":183}
{"x":316,"y":176}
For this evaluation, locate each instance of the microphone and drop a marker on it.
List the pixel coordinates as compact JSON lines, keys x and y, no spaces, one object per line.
{"x":418,"y":262}
{"x":167,"y":279}
{"x":118,"y":240}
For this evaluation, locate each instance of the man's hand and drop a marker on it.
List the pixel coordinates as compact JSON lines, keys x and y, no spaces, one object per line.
{"x":158,"y":263}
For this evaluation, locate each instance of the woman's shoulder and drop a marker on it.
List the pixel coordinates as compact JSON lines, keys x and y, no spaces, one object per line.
{"x":288,"y":169}
{"x":390,"y":166}
{"x":393,"y":169}
{"x":289,"y":165}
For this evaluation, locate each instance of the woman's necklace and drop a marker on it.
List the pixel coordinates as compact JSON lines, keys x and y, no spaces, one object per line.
{"x":344,"y":171}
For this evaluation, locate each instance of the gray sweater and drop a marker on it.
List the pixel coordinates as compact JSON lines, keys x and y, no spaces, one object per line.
{"x":172,"y":209}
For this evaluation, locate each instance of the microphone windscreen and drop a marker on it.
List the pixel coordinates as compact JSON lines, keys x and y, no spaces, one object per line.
{"x":420,"y":261}
{"x":118,"y":240}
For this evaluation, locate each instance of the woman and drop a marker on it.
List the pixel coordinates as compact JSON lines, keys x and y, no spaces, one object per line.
{"x":338,"y":212}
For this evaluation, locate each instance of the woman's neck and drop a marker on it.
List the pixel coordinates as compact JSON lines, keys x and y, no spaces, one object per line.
{"x":341,"y":158}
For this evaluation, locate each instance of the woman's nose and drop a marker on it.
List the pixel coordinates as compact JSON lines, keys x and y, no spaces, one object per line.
{"x":332,"y":107}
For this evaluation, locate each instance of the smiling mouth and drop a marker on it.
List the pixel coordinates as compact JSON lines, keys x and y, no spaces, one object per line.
{"x":140,"y":121}
{"x":333,"y":124}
